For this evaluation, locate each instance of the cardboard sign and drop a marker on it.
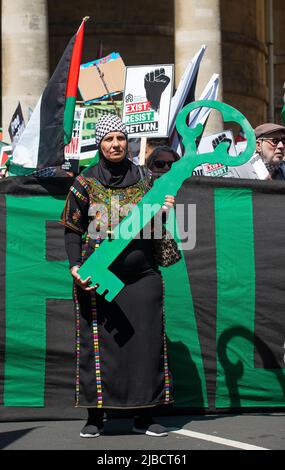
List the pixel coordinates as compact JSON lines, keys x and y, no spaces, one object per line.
{"x":17,"y":126}
{"x":147,"y":97}
{"x":91,"y":85}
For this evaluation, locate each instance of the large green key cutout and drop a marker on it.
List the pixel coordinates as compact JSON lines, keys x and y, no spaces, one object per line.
{"x":98,"y":263}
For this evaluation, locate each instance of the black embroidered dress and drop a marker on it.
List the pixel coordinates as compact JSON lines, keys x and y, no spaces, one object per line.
{"x":120,"y":345}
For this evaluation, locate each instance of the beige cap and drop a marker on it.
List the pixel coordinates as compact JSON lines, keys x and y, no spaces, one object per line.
{"x":267,"y":128}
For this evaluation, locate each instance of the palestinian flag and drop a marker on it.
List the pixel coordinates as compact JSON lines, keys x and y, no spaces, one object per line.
{"x":50,"y":126}
{"x":5,"y":153}
{"x":224,"y":300}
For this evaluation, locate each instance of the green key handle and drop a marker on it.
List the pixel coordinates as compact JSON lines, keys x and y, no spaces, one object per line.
{"x":97,"y":265}
{"x":220,"y":153}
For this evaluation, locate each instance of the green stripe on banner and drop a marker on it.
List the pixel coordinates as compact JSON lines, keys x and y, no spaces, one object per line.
{"x":68,"y":118}
{"x":30,"y":281}
{"x":236,"y":289}
{"x":186,"y":361}
{"x":238,"y":382}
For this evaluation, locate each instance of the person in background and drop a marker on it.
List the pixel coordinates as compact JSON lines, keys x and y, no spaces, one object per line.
{"x":160,"y":161}
{"x":270,"y":146}
{"x":152,"y":144}
{"x":267,"y":161}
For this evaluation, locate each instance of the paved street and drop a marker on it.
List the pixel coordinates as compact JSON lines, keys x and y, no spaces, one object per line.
{"x":249,"y":431}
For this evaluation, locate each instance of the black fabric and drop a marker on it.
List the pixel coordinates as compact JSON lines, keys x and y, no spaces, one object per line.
{"x":55,"y":241}
{"x":130,"y":330}
{"x":269,"y":290}
{"x":201,"y":268}
{"x":279,"y":173}
{"x":114,"y":175}
{"x":60,"y":366}
{"x":51,"y":144}
{"x":32,"y":186}
{"x":73,"y":247}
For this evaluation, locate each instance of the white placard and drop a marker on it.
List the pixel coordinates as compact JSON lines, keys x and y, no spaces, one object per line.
{"x":147,"y":97}
{"x":208,"y":144}
{"x":72,"y":150}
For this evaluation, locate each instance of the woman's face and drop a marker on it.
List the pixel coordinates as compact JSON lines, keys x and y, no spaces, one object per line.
{"x":163,"y":162}
{"x":114,"y":146}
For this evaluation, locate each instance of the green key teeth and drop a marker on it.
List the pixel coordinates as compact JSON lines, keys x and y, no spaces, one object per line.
{"x":110,"y":296}
{"x":100,"y":289}
{"x":117,"y":286}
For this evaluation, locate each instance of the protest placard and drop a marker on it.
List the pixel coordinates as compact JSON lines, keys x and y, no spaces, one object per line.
{"x":17,"y":126}
{"x":147,"y":97}
{"x":208,"y":144}
{"x":72,"y":150}
{"x":91,"y":115}
{"x":102,"y":78}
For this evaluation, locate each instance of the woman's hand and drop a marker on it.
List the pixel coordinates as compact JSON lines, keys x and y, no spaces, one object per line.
{"x":168,"y":203}
{"x":80,"y":282}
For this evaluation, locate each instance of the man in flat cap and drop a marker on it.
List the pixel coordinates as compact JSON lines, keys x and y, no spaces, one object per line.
{"x":267,"y":161}
{"x":270,"y":146}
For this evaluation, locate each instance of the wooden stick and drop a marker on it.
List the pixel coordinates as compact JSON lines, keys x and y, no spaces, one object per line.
{"x":142,"y":150}
{"x":101,"y":75}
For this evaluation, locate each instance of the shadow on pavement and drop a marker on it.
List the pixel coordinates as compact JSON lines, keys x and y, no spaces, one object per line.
{"x":7,"y":438}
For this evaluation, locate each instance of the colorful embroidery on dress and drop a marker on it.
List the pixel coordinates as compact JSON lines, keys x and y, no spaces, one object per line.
{"x":78,"y":194}
{"x":165,"y":358}
{"x":77,"y":348}
{"x":76,"y":216}
{"x":96,"y":352}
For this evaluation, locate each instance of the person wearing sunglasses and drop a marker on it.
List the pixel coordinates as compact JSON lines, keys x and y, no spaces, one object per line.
{"x":161,"y":160}
{"x":270,"y":145}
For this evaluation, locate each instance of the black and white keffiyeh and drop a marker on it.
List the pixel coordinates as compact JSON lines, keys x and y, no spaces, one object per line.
{"x":106,"y":124}
{"x":271,"y":168}
{"x":121,"y":174}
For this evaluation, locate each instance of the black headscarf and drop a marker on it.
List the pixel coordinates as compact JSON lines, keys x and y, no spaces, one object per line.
{"x":115,"y":175}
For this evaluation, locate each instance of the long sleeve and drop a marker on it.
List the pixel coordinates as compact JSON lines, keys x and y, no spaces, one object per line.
{"x":75,"y":213}
{"x":73,"y":245}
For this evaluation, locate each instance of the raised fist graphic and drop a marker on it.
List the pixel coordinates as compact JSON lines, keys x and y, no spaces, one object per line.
{"x":155,"y":83}
{"x":219,"y":139}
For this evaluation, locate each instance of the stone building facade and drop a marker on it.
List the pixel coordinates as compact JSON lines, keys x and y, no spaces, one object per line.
{"x":240,"y":47}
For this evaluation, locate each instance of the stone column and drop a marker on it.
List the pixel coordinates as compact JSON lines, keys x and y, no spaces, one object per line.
{"x":197,"y":22}
{"x":25,"y":70}
{"x":245,"y":57}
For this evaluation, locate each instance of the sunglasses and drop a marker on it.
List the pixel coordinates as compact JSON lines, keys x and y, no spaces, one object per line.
{"x":275,"y":141}
{"x":162,"y":163}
